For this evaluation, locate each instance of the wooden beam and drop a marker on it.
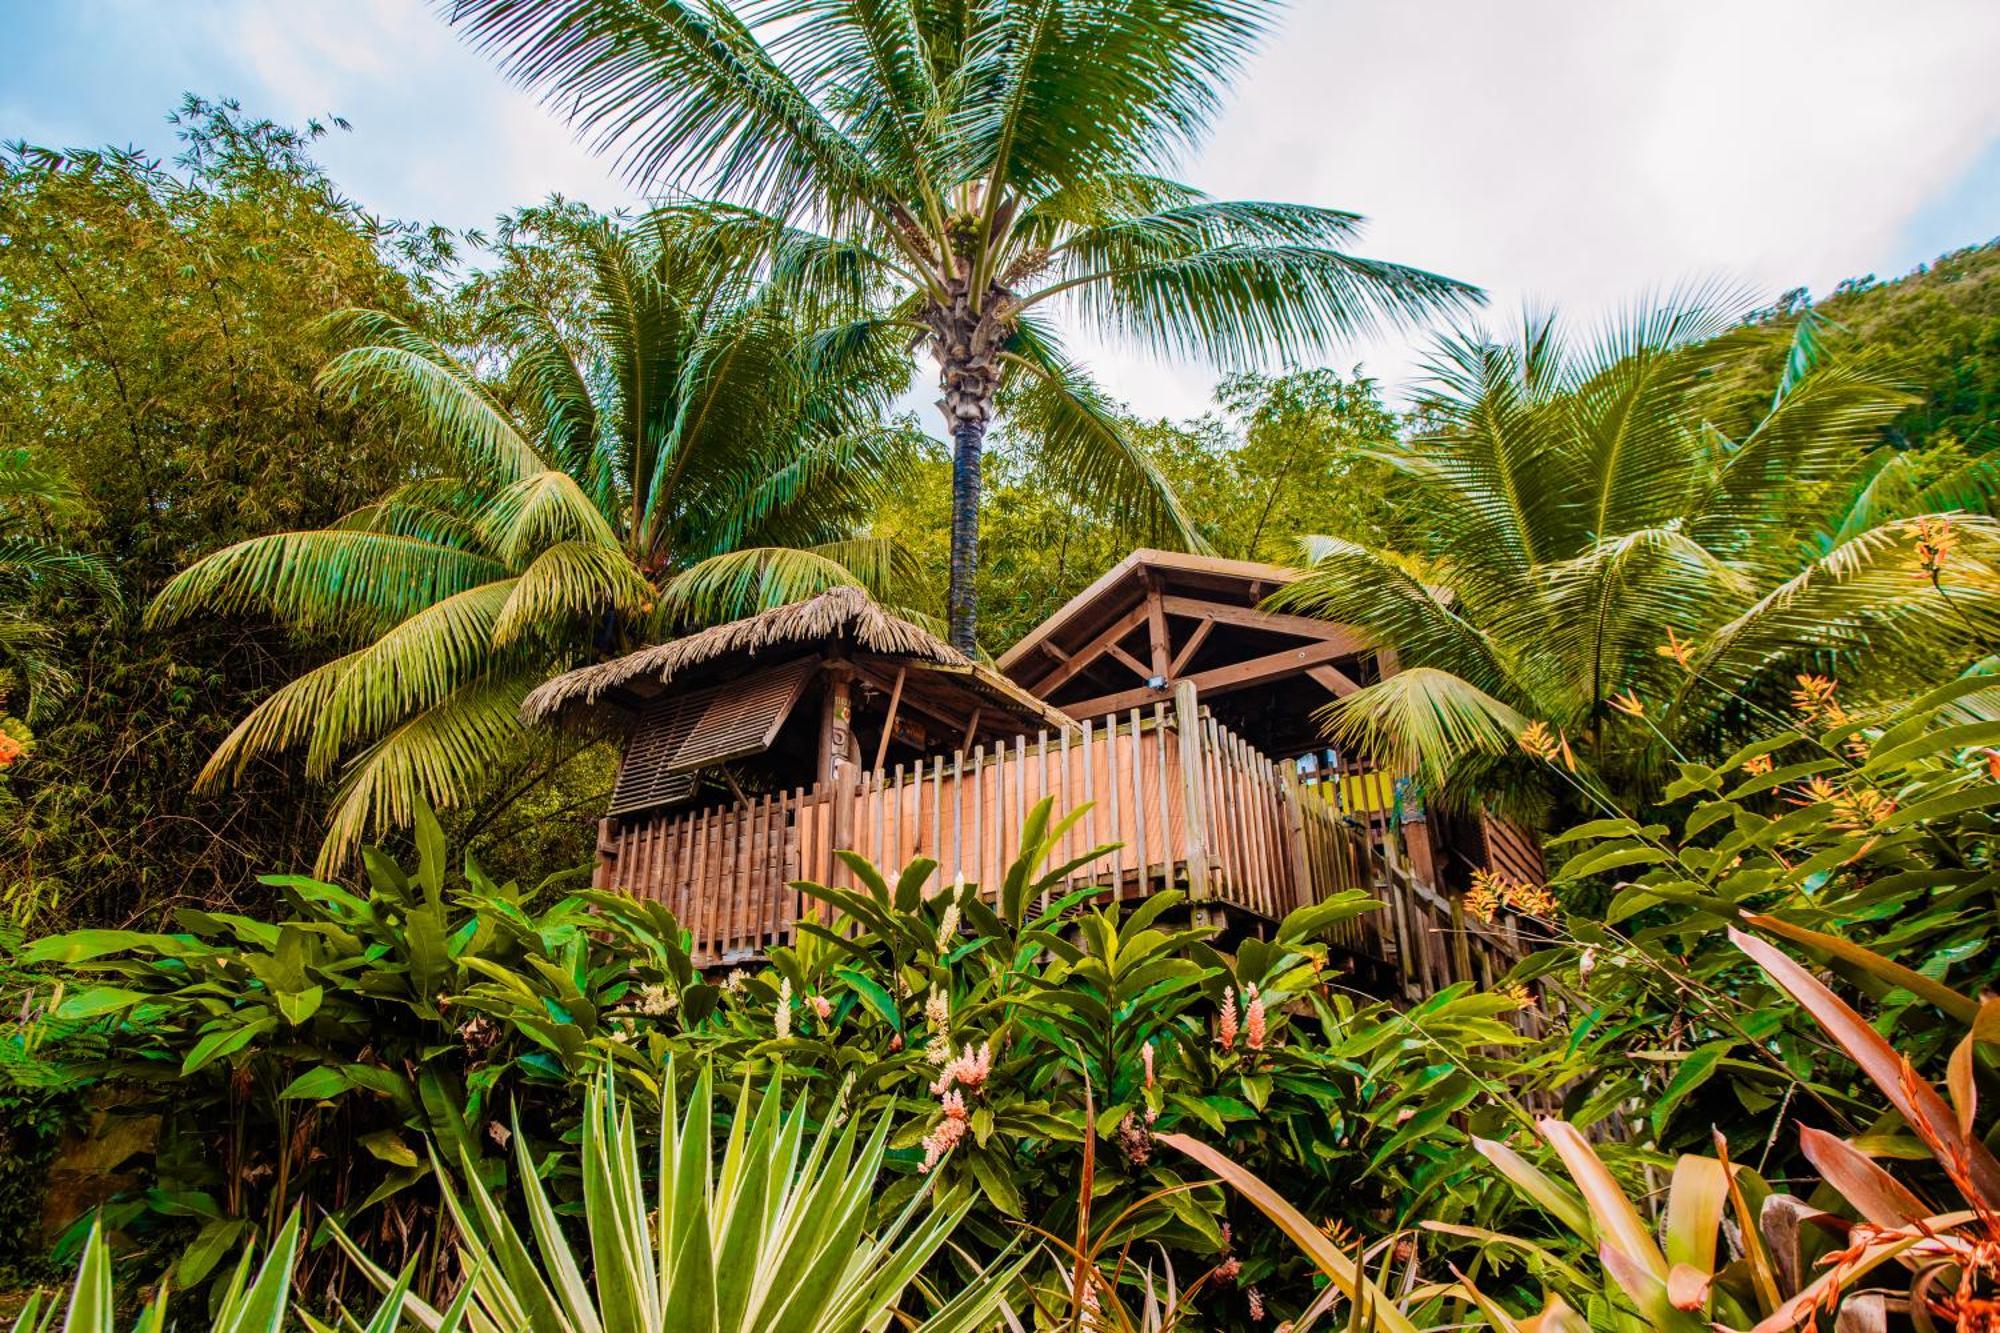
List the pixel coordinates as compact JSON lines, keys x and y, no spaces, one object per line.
{"x":889,"y":718}
{"x":1277,"y":622}
{"x":1091,"y":651}
{"x":1338,"y":683}
{"x":1187,"y":652}
{"x":1156,"y":631}
{"x":1223,"y":679}
{"x":1138,"y":668}
{"x":971,"y":729}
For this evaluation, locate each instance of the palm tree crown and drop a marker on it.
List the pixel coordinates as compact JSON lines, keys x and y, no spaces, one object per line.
{"x":673,"y":456}
{"x":1590,"y":541}
{"x":978,"y":166}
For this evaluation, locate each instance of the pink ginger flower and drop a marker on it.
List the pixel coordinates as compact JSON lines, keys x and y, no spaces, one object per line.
{"x":1146,"y":1057}
{"x":947,"y":1133}
{"x":1227,"y":1270}
{"x":968,"y":1071}
{"x":1256,"y":1298}
{"x":1253,"y":1021}
{"x":822,"y":1007}
{"x":1225,"y":1034}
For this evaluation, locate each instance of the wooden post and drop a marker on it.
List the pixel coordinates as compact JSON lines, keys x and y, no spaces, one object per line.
{"x":836,"y":762}
{"x":1156,"y":630}
{"x":1304,"y":891}
{"x":604,"y":875}
{"x":1194,"y":791}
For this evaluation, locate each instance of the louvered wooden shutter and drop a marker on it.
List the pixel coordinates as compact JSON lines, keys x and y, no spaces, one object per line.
{"x":678,"y":735}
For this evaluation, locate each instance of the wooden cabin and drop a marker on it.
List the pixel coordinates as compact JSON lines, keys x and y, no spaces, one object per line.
{"x":1161,"y":697}
{"x":1161,"y":621}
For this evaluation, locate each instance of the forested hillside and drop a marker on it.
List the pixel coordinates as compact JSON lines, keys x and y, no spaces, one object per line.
{"x":1940,"y":328}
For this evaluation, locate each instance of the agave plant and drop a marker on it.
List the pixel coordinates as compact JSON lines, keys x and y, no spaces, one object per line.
{"x":774,"y":1237}
{"x":1593,"y":540}
{"x":571,"y":512}
{"x":987,"y":166}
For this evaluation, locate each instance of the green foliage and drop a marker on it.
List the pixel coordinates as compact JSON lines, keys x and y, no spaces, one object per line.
{"x":678,"y":424}
{"x":1582,"y":530}
{"x":310,"y":1057}
{"x":159,"y":332}
{"x":1869,"y":841}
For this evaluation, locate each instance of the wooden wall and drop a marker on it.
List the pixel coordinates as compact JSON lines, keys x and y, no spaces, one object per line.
{"x":1192,"y":805}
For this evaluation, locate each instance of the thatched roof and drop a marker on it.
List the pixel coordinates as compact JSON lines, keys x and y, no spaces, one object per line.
{"x":845,"y":616}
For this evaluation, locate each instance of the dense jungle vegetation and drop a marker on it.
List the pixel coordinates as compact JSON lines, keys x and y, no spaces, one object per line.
{"x":313,"y":1022}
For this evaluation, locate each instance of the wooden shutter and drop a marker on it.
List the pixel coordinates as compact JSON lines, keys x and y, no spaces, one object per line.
{"x":677,"y":735}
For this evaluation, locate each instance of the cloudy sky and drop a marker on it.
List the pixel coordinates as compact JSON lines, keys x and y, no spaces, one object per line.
{"x":1567,"y":152}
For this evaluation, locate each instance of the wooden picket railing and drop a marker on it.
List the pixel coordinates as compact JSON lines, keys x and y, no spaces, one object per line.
{"x":1188,"y":804}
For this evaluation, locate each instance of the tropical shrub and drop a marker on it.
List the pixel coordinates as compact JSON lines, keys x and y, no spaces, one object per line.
{"x":1867,"y":839}
{"x":1795,"y":1258}
{"x":1022,"y":1033}
{"x":309,"y":1058}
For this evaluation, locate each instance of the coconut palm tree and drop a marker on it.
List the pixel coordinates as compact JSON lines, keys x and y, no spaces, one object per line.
{"x":1587,"y":542}
{"x":984,"y":166}
{"x":35,"y":565}
{"x":668,"y":455}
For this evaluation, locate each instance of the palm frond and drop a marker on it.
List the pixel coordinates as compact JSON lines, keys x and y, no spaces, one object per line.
{"x":731,"y":586}
{"x":1057,"y":91}
{"x":27,"y":562}
{"x":1866,"y":602}
{"x":1082,"y":443}
{"x":392,"y":363}
{"x":1424,"y":720}
{"x":1392,"y":597}
{"x":1808,"y":440}
{"x":539,"y":511}
{"x":416,"y":665}
{"x":1250,"y":304}
{"x":677,"y":90}
{"x":567,"y":584}
{"x":1602,"y":616}
{"x":26,"y":481}
{"x":343,"y":581}
{"x":439,"y":757}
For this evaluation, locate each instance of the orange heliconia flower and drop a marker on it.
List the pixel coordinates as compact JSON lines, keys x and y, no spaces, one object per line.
{"x":1935,"y":540}
{"x":1536,"y":739}
{"x":1682,"y":653}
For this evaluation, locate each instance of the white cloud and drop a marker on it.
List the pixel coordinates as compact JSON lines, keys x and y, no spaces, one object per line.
{"x":1582,"y":153}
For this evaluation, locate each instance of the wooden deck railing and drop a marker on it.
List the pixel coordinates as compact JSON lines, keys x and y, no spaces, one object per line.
{"x":1190,"y":805}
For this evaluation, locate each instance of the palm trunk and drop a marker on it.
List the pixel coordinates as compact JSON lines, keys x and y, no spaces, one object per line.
{"x":967,"y":344}
{"x":968,"y":445}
